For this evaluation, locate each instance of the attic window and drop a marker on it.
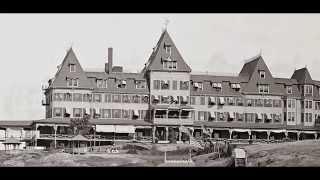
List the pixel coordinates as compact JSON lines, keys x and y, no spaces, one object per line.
{"x":122,"y":83}
{"x":289,"y":89}
{"x":262,"y":74}
{"x":235,"y":86}
{"x":101,"y":83}
{"x":72,"y":67}
{"x":72,"y":82}
{"x":198,"y":85}
{"x":216,"y":85}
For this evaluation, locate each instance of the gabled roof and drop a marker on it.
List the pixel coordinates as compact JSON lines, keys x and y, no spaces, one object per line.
{"x":286,"y":81}
{"x":302,"y":76}
{"x":63,"y":73}
{"x":154,"y":63}
{"x":249,"y":67}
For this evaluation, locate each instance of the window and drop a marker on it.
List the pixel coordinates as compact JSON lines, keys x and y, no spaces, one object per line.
{"x":202,"y":100}
{"x":87,"y":97}
{"x":58,"y":96}
{"x":125,"y":98}
{"x":192,"y":100}
{"x":268,"y":103}
{"x":156,"y":84}
{"x":57,"y":112}
{"x":77,"y":97}
{"x":202,"y":115}
{"x":239,"y":101}
{"x":262,"y":74}
{"x":126,"y":114}
{"x":135,"y":99}
{"x":116,"y":113}
{"x":77,"y":112}
{"x":289,"y":89}
{"x":170,"y":65}
{"x":121,"y":83}
{"x":258,"y":102}
{"x":310,"y":104}
{"x":165,"y":99}
{"x":276,"y":103}
{"x":72,"y":82}
{"x":184,"y":85}
{"x":289,"y":103}
{"x":317,"y":105}
{"x":96,"y":97}
{"x":72,"y":67}
{"x":145,"y":99}
{"x":107,"y":98}
{"x":174,"y":85}
{"x":67,"y":97}
{"x":140,"y":84}
{"x":165,"y":84}
{"x":249,"y":102}
{"x":106,"y":113}
{"x":263,"y":88}
{"x":116,"y":98}
{"x":101,"y":83}
{"x":308,"y":89}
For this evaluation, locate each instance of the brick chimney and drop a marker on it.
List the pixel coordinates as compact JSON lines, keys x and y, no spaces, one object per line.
{"x":108,"y":66}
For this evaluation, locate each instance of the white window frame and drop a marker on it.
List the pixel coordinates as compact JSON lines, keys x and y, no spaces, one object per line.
{"x":72,"y":65}
{"x":263,"y":87}
{"x":289,"y":88}
{"x":262,"y":73}
{"x":141,"y":81}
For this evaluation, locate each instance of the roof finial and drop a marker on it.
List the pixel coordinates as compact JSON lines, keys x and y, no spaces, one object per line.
{"x":260,"y":52}
{"x":166,"y":22}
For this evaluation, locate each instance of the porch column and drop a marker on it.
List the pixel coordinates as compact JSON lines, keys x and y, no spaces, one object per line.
{"x":167,"y":133}
{"x":230,"y":133}
{"x":249,"y":132}
{"x":94,"y":135}
{"x":153,"y":134}
{"x":36,"y":143}
{"x":315,"y":136}
{"x":298,"y":136}
{"x":55,"y":127}
{"x":268,"y":135}
{"x":180,"y":134}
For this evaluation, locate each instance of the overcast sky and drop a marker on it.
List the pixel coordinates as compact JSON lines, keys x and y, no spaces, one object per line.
{"x":32,"y":45}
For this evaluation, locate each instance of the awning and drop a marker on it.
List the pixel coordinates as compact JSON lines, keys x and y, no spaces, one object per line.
{"x":196,"y":85}
{"x":241,"y":130}
{"x":124,"y":129}
{"x":269,"y":116}
{"x":87,"y":110}
{"x":124,"y":82}
{"x":259,"y":116}
{"x":175,"y":98}
{"x":214,"y":84}
{"x":212,"y":99}
{"x":309,"y":132}
{"x":231,"y":115}
{"x":259,"y":130}
{"x":221,"y":100}
{"x":238,"y":86}
{"x":219,"y":85}
{"x":212,"y":114}
{"x":184,"y":98}
{"x":156,"y":98}
{"x":233,"y":86}
{"x":143,"y":127}
{"x":278,"y":131}
{"x":105,"y":128}
{"x":135,"y":112}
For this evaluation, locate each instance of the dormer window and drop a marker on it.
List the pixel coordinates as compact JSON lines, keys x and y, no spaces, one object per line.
{"x":308,"y":89}
{"x":122,"y":83}
{"x":262,"y":74}
{"x":289,"y":89}
{"x":235,"y":86}
{"x":101,"y":83}
{"x":164,"y":84}
{"x":216,"y":85}
{"x":198,"y":85}
{"x":72,"y":67}
{"x":140,"y":84}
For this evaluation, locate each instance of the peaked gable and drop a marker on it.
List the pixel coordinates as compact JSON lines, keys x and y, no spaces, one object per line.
{"x":251,"y":72}
{"x":159,"y":54}
{"x":60,"y":79}
{"x":302,"y":76}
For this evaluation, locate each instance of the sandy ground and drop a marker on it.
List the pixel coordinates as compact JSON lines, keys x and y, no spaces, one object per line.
{"x":301,"y":153}
{"x":291,"y":154}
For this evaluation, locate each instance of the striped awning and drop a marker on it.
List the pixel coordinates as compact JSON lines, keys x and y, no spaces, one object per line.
{"x":105,"y":128}
{"x":124,"y":129}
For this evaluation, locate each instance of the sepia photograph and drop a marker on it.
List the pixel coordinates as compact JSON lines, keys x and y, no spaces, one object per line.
{"x":160,"y":90}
